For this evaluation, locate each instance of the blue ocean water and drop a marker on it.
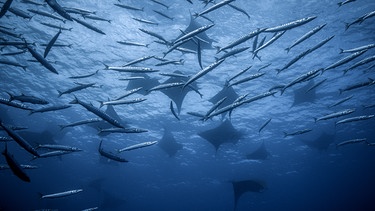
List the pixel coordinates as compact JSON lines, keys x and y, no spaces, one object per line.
{"x":302,"y":172}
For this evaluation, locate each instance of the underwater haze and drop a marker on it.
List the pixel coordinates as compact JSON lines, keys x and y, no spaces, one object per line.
{"x":187,"y":105}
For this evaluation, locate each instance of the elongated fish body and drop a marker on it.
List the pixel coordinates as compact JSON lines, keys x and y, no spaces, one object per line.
{"x":290,"y":25}
{"x":240,"y":73}
{"x":51,"y":43}
{"x":173,"y":111}
{"x":5,"y":139}
{"x":50,"y":108}
{"x":353,"y":141}
{"x":193,"y":33}
{"x":96,"y":18}
{"x":161,"y":3}
{"x":97,"y":112}
{"x":138,"y":60}
{"x":177,"y":75}
{"x":213,"y":108}
{"x":14,"y":104}
{"x":176,"y":46}
{"x":239,"y":99}
{"x":305,"y":36}
{"x":154,"y":35}
{"x":60,"y":194}
{"x":28,"y":99}
{"x":196,"y":114}
{"x":15,"y":166}
{"x":269,"y":42}
{"x":21,"y":141}
{"x":264,"y":124}
{"x":166,"y":86}
{"x":41,"y":60}
{"x":61,"y":11}
{"x":122,"y":102}
{"x":162,"y":14}
{"x":301,"y":78}
{"x":84,"y":76}
{"x":315,"y":85}
{"x":233,"y":52}
{"x":335,"y":115}
{"x":88,"y":26}
{"x":129,"y":7}
{"x":258,"y":97}
{"x":132,"y":78}
{"x":59,"y":147}
{"x":203,"y":72}
{"x":76,"y":88}
{"x":214,"y":7}
{"x":110,"y":155}
{"x":38,"y":12}
{"x":242,"y":39}
{"x":251,"y":77}
{"x":10,"y":33}
{"x":20,"y":13}
{"x":53,"y":154}
{"x":294,"y":60}
{"x":353,"y":50}
{"x":223,"y":110}
{"x":299,"y":132}
{"x":345,"y":60}
{"x":341,"y":101}
{"x":128,"y":93}
{"x":5,"y":7}
{"x":240,"y":10}
{"x":123,"y":130}
{"x":131,"y":69}
{"x":56,"y":27}
{"x":368,"y":15}
{"x":321,"y":44}
{"x":83,"y":122}
{"x":358,"y":85}
{"x":145,"y":21}
{"x":355,"y":119}
{"x":138,"y":146}
{"x":345,"y":2}
{"x":174,"y":62}
{"x":13,"y":64}
{"x":132,"y":43}
{"x":360,"y":63}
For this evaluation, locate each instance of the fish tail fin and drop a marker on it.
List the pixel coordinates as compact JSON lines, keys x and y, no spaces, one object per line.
{"x":60,"y":93}
{"x":347,"y":25}
{"x":345,"y":71}
{"x":11,"y":97}
{"x":341,"y":50}
{"x":70,"y":29}
{"x":315,"y":119}
{"x":31,"y":112}
{"x":40,"y":195}
{"x":195,"y":15}
{"x":74,"y":101}
{"x":147,"y":45}
{"x":339,"y":4}
{"x":61,"y":127}
{"x":101,"y":103}
{"x":218,"y":49}
{"x":285,"y":134}
{"x":287,"y":50}
{"x":341,"y":90}
{"x":24,"y":68}
{"x":278,"y":71}
{"x":106,"y":66}
{"x":5,"y":149}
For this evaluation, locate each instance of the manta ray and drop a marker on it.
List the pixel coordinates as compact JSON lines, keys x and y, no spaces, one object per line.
{"x":168,"y":143}
{"x":146,"y":83}
{"x":244,"y":186}
{"x":205,"y":41}
{"x":177,"y":94}
{"x":227,"y":92}
{"x":322,"y":142}
{"x":259,"y":154}
{"x":224,"y":133}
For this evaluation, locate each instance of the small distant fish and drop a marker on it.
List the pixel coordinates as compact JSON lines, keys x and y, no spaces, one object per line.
{"x":138,"y":60}
{"x":355,"y":119}
{"x":82,"y":122}
{"x":335,"y":115}
{"x":353,"y":141}
{"x":299,"y":132}
{"x":305,"y":36}
{"x":360,"y":63}
{"x":133,"y":43}
{"x":76,"y":88}
{"x":92,"y":17}
{"x":240,"y":10}
{"x":213,"y":108}
{"x":213,"y":7}
{"x":315,"y":85}
{"x":154,"y":35}
{"x":251,"y":77}
{"x":14,"y":104}
{"x":60,"y":194}
{"x":130,"y":69}
{"x":233,"y":52}
{"x":341,"y":101}
{"x":128,"y":93}
{"x":41,"y":60}
{"x":13,"y":64}
{"x":345,"y":2}
{"x":129,"y":7}
{"x":162,"y":14}
{"x":122,"y":102}
{"x":5,"y":7}
{"x":88,"y":26}
{"x":301,"y":78}
{"x":166,"y":86}
{"x":51,"y":43}
{"x":353,"y":50}
{"x":20,"y":13}
{"x":46,"y":14}
{"x":145,"y":21}
{"x":84,"y":76}
{"x":161,"y":3}
{"x":60,"y":10}
{"x":358,"y":85}
{"x":56,"y":27}
{"x":59,"y":147}
{"x":138,"y":146}
{"x":238,"y":74}
{"x":52,"y":154}
{"x":345,"y":60}
{"x":264,"y":124}
{"x":123,"y":130}
{"x":193,"y":33}
{"x":269,"y":42}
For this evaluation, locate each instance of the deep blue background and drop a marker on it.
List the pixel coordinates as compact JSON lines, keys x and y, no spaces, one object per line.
{"x":298,"y":177}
